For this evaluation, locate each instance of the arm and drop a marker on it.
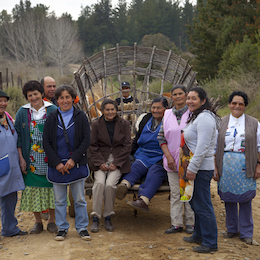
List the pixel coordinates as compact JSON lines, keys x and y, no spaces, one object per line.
{"x":22,"y":162}
{"x":170,"y":160}
{"x":257,"y":169}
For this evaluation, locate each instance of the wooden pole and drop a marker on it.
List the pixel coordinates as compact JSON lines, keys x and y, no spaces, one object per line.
{"x":1,"y":81}
{"x":6,"y":75}
{"x":12,"y":79}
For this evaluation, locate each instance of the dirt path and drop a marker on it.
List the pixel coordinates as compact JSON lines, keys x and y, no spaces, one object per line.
{"x":140,"y":237}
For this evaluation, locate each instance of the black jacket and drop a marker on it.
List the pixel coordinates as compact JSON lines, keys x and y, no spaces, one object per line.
{"x":81,"y":138}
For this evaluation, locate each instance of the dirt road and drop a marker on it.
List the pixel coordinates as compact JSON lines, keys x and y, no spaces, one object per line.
{"x":140,"y":237}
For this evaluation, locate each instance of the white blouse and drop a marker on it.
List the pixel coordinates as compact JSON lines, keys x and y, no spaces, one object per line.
{"x":38,"y":114}
{"x":235,"y":135}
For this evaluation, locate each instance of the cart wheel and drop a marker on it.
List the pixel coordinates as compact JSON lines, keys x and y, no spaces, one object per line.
{"x":71,"y":207}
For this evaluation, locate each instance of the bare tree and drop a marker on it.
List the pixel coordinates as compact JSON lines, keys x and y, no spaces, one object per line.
{"x":62,"y":44}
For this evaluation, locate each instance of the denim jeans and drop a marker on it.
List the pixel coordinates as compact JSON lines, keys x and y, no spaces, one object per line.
{"x":80,"y":206}
{"x":205,"y":229}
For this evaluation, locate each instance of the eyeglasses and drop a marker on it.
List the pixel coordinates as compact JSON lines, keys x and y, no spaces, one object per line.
{"x":236,"y":103}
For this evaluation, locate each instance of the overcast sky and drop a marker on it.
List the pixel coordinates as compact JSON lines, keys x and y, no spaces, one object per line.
{"x":72,"y":7}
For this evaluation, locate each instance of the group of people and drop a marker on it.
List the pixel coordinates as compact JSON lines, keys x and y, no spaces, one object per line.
{"x":48,"y":144}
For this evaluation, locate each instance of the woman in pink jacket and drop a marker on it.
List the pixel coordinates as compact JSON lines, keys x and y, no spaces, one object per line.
{"x":169,"y":137}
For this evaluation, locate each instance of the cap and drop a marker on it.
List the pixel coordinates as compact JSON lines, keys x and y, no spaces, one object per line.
{"x":125,"y":84}
{"x":3,"y":94}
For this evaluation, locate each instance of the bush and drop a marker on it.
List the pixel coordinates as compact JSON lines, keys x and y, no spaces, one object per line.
{"x":16,"y":100}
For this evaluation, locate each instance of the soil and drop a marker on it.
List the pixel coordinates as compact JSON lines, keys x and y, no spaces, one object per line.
{"x":135,"y":237}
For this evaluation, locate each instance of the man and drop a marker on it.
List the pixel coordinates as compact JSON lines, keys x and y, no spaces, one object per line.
{"x":49,"y":86}
{"x":126,"y":97}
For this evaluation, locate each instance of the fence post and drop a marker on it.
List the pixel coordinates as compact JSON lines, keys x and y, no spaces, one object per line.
{"x":1,"y":81}
{"x":12,"y":79}
{"x":6,"y":75}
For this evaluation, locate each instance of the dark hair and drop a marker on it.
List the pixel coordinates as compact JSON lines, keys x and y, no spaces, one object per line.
{"x":108,"y":101}
{"x":238,"y":93}
{"x":32,"y":85}
{"x":202,"y":95}
{"x":42,"y":81}
{"x":163,"y":100}
{"x":69,"y":89}
{"x":183,"y":88}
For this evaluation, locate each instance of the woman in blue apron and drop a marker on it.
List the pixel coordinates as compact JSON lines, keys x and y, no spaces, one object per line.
{"x":148,"y":158}
{"x":66,"y":138}
{"x":30,"y":118}
{"x":11,"y":179}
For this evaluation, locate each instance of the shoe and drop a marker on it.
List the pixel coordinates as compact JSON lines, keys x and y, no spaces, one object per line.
{"x":38,"y":228}
{"x":20,"y":233}
{"x":108,"y":225}
{"x":52,"y":228}
{"x":247,"y":240}
{"x":121,"y":191}
{"x":139,"y":204}
{"x":173,"y":229}
{"x":85,"y":235}
{"x":230,"y":235}
{"x":192,"y":240}
{"x":204,"y":249}
{"x":189,"y":229}
{"x":95,"y":227}
{"x":61,"y":235}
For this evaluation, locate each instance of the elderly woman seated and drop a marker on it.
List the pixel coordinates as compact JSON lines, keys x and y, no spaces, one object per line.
{"x":148,"y":158}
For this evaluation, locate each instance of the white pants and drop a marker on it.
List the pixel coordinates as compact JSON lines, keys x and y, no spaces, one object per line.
{"x":105,"y":186}
{"x":177,"y":205}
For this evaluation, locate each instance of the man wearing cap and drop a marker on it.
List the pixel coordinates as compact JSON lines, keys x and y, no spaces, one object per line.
{"x":125,"y":95}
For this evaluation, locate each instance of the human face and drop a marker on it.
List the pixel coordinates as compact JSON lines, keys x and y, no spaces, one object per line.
{"x":35,"y":98}
{"x":237,"y":106}
{"x":193,"y":101}
{"x":157,"y":110}
{"x":109,"y":112}
{"x":65,"y":101}
{"x":49,"y":87}
{"x":3,"y":105}
{"x":179,"y":98}
{"x":125,"y":94}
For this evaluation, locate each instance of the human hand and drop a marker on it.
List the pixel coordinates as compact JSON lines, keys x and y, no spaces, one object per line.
{"x":216,"y":175}
{"x":171,"y":163}
{"x":22,"y":165}
{"x":112,"y":167}
{"x":60,"y":168}
{"x":190,"y":175}
{"x":69,"y":165}
{"x":103,"y":167}
{"x":257,"y":172}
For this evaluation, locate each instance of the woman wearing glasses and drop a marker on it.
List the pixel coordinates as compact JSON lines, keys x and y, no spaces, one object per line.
{"x":238,"y":166}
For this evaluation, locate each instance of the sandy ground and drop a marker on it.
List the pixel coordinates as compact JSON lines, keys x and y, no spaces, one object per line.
{"x":135,"y":237}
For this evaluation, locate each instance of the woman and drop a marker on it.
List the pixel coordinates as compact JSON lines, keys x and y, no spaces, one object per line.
{"x":169,"y":138}
{"x":238,"y":166}
{"x":148,"y":158}
{"x":66,"y":138}
{"x":11,"y":179}
{"x":38,"y":194}
{"x":109,"y":150}
{"x":200,"y":136}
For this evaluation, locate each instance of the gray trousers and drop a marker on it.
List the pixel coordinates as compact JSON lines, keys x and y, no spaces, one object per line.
{"x":105,"y":186}
{"x":177,"y":205}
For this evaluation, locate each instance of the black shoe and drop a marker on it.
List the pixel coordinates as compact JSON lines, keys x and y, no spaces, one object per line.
{"x":192,"y":240}
{"x":20,"y":233}
{"x":204,"y":249}
{"x":95,"y":227}
{"x":138,"y":204}
{"x":230,"y":235}
{"x":61,"y":235}
{"x":85,"y":235}
{"x":108,"y":225}
{"x":173,"y":229}
{"x":247,"y":240}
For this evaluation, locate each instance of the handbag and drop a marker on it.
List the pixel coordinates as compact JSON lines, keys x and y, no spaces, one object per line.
{"x":4,"y":165}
